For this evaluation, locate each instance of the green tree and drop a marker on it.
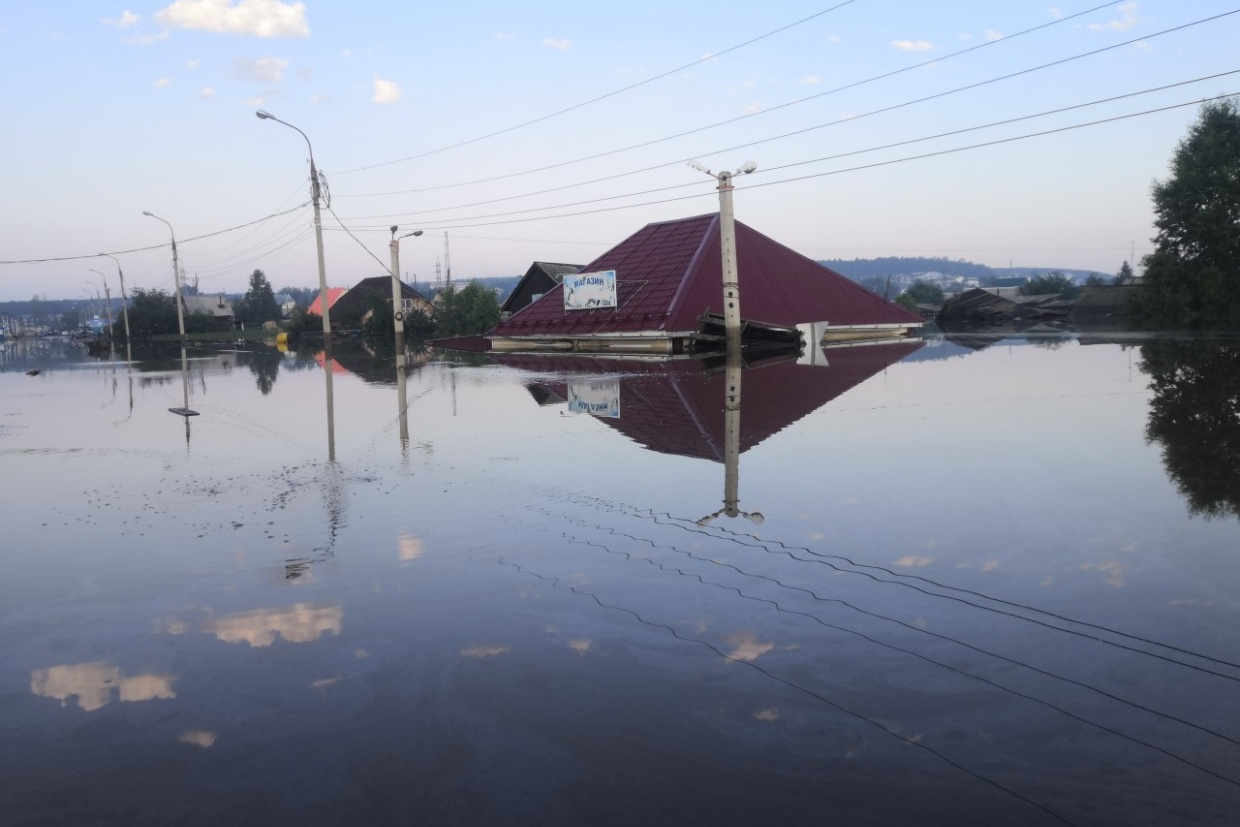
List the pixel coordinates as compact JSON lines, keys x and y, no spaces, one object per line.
{"x":924,"y":292}
{"x":151,"y":313}
{"x":1052,"y":282}
{"x":1095,"y":280}
{"x":473,"y":310}
{"x":1124,"y":276}
{"x":1192,"y":278}
{"x":259,"y":303}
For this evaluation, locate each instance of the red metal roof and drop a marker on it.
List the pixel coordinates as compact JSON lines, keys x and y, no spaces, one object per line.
{"x":675,"y":408}
{"x":668,"y":274}
{"x":333,"y":296}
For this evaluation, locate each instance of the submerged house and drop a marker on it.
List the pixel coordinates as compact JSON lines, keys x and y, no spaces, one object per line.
{"x":668,"y":297}
{"x":353,"y":308}
{"x":218,"y":308}
{"x":541,"y":278}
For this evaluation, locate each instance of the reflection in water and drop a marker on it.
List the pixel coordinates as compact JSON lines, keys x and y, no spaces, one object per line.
{"x":694,"y":409}
{"x":1195,"y":416}
{"x":299,"y":623}
{"x":264,"y":363}
{"x":92,"y":684}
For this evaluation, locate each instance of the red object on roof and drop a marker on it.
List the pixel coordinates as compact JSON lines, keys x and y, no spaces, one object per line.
{"x":674,"y":407}
{"x":333,"y":296}
{"x":669,"y":273}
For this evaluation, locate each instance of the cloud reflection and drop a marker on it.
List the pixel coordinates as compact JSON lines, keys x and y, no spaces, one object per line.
{"x":484,"y":651}
{"x":299,"y":623}
{"x":198,"y":738}
{"x":745,"y":646}
{"x":92,"y":684}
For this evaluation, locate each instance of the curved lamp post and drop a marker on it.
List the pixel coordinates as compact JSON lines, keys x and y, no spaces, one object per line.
{"x":124,"y":303}
{"x":176,"y":275}
{"x":315,"y":194}
{"x":727,"y":236}
{"x":397,"y":312}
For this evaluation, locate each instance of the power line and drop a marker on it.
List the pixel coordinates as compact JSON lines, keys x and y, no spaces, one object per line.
{"x":156,"y":246}
{"x":875,"y":165}
{"x":1112,"y":99}
{"x":613,"y":93}
{"x":815,"y":96}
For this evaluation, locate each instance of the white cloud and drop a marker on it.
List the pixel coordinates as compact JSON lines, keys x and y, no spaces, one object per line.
{"x":347,"y":54}
{"x":1122,"y":24}
{"x":192,"y":64}
{"x":207,"y":93}
{"x":1055,"y":13}
{"x":127,"y":20}
{"x":318,"y":98}
{"x":255,"y":101}
{"x":835,"y":38}
{"x":505,"y":36}
{"x":913,"y":45}
{"x":811,"y":81}
{"x":991,"y":34}
{"x":557,"y":43}
{"x":146,"y":39}
{"x":163,"y":81}
{"x":258,"y":18}
{"x":754,"y":108}
{"x":265,"y":69}
{"x":386,"y":91}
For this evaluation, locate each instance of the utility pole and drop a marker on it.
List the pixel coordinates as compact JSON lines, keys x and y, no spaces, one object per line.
{"x":727,"y":237}
{"x":398,"y":313}
{"x":447,"y":259}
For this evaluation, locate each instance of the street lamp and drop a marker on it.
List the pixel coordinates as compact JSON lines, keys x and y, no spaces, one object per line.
{"x":176,"y":276}
{"x":107,"y":308}
{"x":397,"y":299}
{"x":124,"y":304}
{"x":315,"y":194}
{"x":727,"y":234}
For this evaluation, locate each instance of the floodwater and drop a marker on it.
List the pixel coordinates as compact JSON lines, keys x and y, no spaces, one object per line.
{"x":906,"y":585}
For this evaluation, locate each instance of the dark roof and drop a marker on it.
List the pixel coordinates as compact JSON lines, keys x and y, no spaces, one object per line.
{"x":669,"y":273}
{"x":355,"y":299}
{"x":541,"y":277}
{"x":675,"y":407}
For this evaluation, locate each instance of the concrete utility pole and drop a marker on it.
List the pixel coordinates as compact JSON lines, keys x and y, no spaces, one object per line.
{"x":124,"y":307}
{"x":398,"y":314}
{"x":727,"y":237}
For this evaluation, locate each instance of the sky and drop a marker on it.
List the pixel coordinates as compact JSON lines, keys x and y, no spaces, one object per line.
{"x":512,"y":132}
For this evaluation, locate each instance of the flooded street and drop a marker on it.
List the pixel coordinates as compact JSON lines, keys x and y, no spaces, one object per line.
{"x":905,"y":585}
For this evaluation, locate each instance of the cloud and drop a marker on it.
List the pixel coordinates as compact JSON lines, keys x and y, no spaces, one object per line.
{"x":127,"y":20}
{"x":835,"y":38}
{"x":257,"y":18}
{"x":207,"y":93}
{"x":913,"y":561}
{"x":255,"y":101}
{"x":1124,"y":23}
{"x":913,"y":45}
{"x":503,"y":37}
{"x":811,"y":81}
{"x":265,"y":69}
{"x":318,"y":98}
{"x":991,"y":34}
{"x":1055,"y":13}
{"x":163,"y":82}
{"x":146,"y":39}
{"x":754,"y":108}
{"x":192,"y":64}
{"x":386,"y":91}
{"x":556,"y":43}
{"x":198,"y":738}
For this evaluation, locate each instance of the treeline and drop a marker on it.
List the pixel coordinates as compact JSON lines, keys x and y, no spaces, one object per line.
{"x":859,"y":268}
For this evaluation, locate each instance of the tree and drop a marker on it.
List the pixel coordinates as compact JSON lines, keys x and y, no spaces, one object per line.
{"x":924,"y":292}
{"x":1124,"y":276}
{"x":1095,"y":280}
{"x":1052,"y":282}
{"x":151,"y":313}
{"x":473,"y":310}
{"x":259,"y":303}
{"x":1192,"y":278}
{"x":1194,"y":418}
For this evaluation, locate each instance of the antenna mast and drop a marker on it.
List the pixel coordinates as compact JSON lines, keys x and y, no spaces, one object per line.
{"x":447,"y":261}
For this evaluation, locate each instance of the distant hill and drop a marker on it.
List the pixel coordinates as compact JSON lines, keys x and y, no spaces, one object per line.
{"x":860,"y":268}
